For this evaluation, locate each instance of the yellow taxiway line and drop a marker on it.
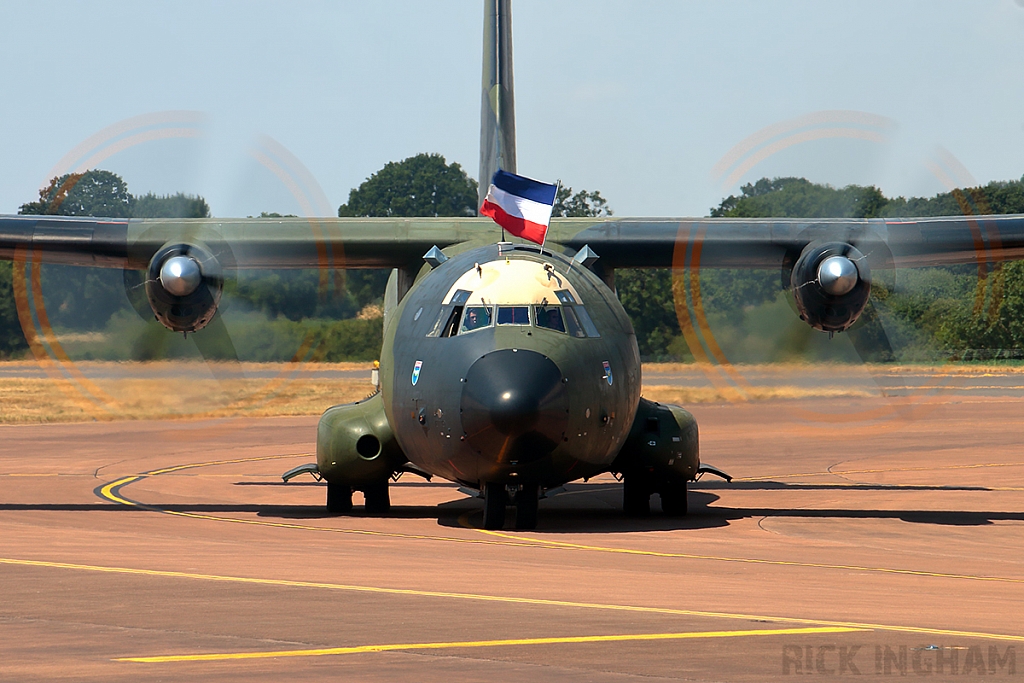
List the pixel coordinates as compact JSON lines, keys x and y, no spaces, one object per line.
{"x":450,"y":645}
{"x":110,"y":492}
{"x":507,"y":599}
{"x":546,"y":543}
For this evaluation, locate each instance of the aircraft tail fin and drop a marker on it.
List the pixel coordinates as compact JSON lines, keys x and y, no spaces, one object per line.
{"x":497,"y":106}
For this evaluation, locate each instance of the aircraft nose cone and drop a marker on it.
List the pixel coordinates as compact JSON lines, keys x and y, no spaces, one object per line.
{"x":514,"y":406}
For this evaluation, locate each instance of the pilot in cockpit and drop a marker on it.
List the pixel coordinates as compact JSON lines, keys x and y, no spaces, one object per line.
{"x":553,"y":321}
{"x":476,"y":318}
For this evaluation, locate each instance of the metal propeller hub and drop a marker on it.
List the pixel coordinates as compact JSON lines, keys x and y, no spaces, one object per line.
{"x":180,"y":275}
{"x":837,"y":275}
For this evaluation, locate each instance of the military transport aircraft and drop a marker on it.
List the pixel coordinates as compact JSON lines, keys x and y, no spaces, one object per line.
{"x":506,"y":367}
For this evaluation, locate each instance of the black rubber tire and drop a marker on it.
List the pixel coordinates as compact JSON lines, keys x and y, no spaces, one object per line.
{"x":377,"y":498}
{"x":495,"y":501}
{"x":673,"y":500}
{"x":636,"y":497}
{"x":526,"y":507}
{"x":339,"y":499}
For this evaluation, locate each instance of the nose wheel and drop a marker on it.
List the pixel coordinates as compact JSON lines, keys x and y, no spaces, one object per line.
{"x":496,"y":499}
{"x":636,"y":496}
{"x":526,"y":507}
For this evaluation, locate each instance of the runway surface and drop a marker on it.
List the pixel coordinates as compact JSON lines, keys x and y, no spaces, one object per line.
{"x":859,"y":539}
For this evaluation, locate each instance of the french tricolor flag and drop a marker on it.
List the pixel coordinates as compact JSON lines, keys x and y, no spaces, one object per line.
{"x":520,"y":205}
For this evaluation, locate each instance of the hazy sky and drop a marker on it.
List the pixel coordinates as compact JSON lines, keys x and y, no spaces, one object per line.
{"x":665,"y":107}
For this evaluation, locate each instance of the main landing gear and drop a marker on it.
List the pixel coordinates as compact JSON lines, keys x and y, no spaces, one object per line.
{"x":497,"y":497}
{"x":339,"y":499}
{"x":636,"y":496}
{"x":377,"y":498}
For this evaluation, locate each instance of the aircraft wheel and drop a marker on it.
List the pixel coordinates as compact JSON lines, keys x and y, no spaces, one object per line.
{"x":636,"y":497}
{"x":526,"y":508}
{"x":378,"y":498}
{"x":495,"y":500}
{"x":673,"y":501}
{"x":339,"y":499}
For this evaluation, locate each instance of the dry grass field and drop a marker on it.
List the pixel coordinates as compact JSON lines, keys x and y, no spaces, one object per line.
{"x":87,"y":391}
{"x":166,"y":390}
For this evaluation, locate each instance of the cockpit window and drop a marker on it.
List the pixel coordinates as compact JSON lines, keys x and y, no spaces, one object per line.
{"x":442,"y":316}
{"x":588,"y":324}
{"x":549,"y":317}
{"x":452,"y":326}
{"x":572,"y":323}
{"x":476,"y":318}
{"x":513,"y":315}
{"x":565,"y":296}
{"x":460,"y":297}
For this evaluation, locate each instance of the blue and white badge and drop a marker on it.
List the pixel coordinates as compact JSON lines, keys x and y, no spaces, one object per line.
{"x":607,"y":372}
{"x":416,"y":372}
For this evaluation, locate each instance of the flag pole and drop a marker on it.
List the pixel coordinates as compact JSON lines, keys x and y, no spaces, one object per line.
{"x":558,"y":185}
{"x":502,"y":227}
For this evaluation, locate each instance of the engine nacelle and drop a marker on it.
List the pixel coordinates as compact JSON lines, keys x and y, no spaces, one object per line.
{"x":355,"y":445}
{"x":184,"y":285}
{"x":831,"y":283}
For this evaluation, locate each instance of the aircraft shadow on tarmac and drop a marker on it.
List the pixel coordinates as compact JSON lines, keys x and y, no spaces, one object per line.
{"x":582,"y":518}
{"x":582,"y":508}
{"x":786,"y":486}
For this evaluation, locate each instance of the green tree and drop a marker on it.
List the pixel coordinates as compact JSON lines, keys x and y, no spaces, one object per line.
{"x":997,"y":197}
{"x":178,"y":205}
{"x":423,"y":185}
{"x":12,"y":340}
{"x":800,"y":198}
{"x":93,"y":193}
{"x":583,"y":204}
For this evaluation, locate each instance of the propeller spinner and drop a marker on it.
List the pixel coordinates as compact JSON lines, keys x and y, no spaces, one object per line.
{"x":180,"y":275}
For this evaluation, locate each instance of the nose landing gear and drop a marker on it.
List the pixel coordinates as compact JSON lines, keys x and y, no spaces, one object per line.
{"x":499,"y":496}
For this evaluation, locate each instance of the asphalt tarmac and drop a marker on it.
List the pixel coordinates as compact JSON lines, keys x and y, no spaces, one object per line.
{"x":860,"y":539}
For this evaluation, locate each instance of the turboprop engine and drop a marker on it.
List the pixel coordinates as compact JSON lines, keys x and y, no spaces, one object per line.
{"x":831,"y":283}
{"x":184,"y":285}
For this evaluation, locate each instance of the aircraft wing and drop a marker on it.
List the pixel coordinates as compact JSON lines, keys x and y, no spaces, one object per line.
{"x":240,"y":243}
{"x":768,"y":242}
{"x":619,"y":242}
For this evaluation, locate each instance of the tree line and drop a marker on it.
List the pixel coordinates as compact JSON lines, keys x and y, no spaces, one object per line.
{"x":953,"y":312}
{"x":925,"y":314}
